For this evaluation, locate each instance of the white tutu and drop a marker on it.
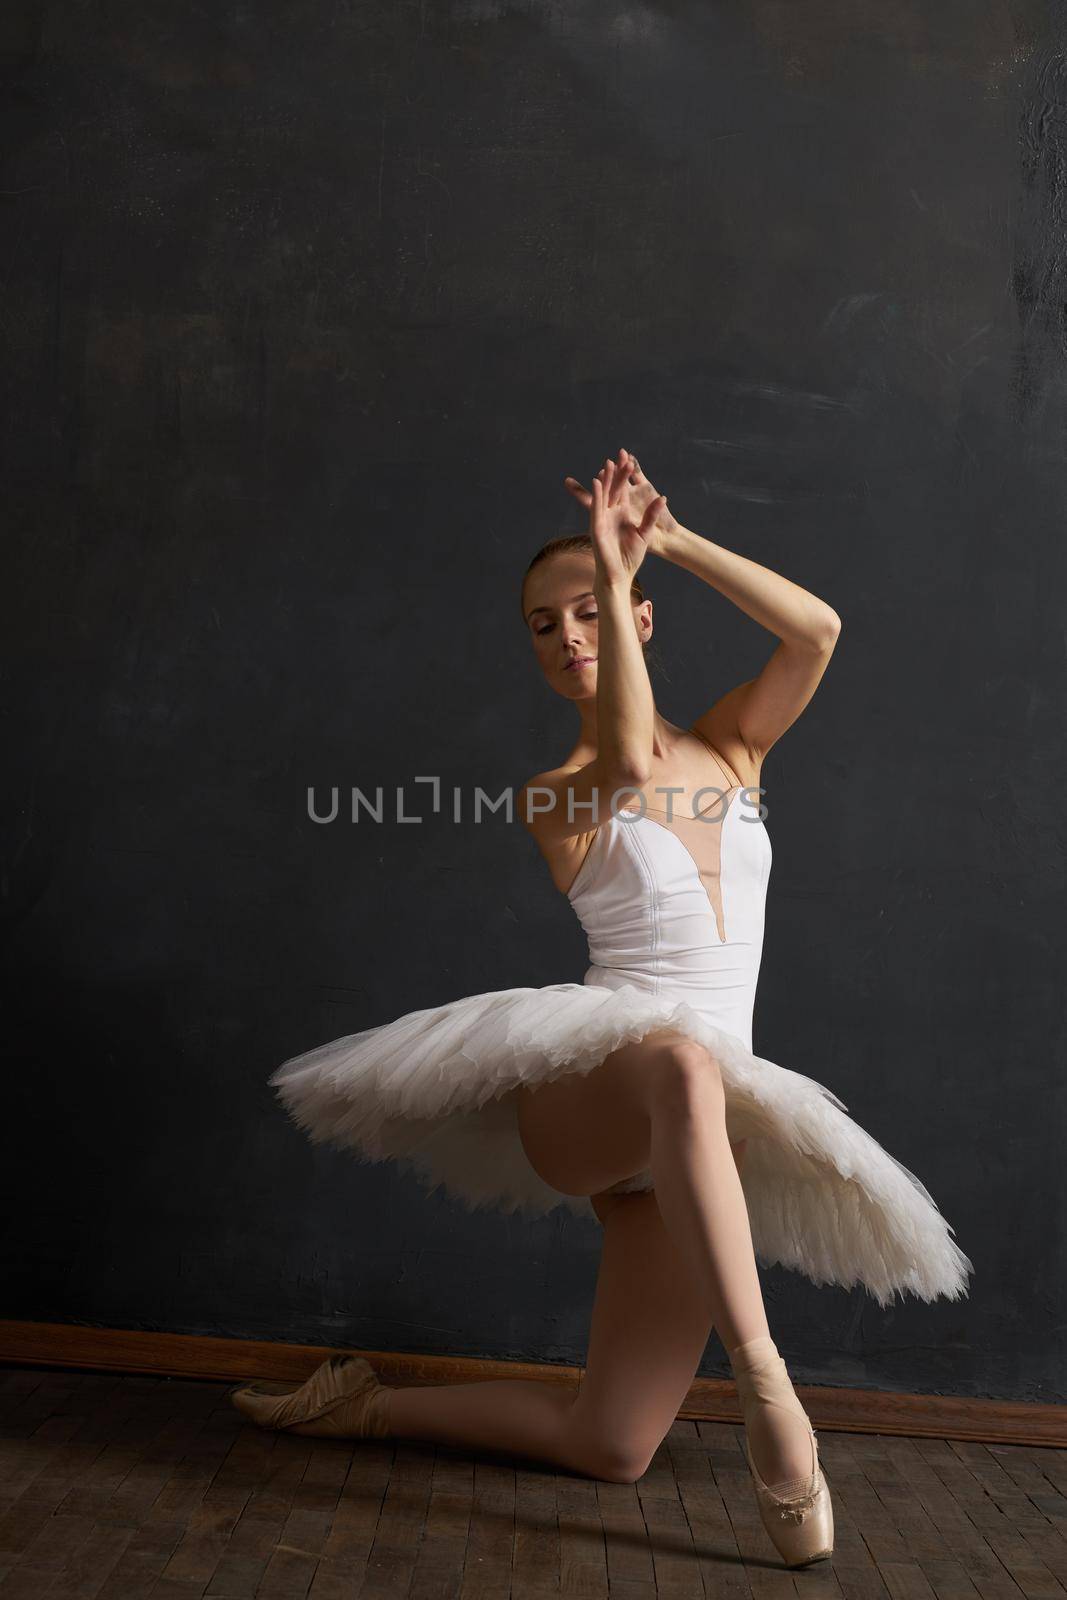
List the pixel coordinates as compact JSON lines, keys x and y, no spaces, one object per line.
{"x":430,"y":1091}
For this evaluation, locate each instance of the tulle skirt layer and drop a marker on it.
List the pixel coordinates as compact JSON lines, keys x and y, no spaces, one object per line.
{"x":432,"y":1092}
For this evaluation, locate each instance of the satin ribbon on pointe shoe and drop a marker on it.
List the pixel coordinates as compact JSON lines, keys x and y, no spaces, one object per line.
{"x":347,"y":1382}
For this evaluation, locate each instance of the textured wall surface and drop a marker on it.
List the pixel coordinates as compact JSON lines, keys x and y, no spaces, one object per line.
{"x":307,"y":310}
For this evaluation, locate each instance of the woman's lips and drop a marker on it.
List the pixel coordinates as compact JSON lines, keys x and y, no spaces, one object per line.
{"x":579,"y":663}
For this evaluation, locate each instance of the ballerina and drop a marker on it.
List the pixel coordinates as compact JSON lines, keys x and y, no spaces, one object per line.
{"x":635,"y":1096}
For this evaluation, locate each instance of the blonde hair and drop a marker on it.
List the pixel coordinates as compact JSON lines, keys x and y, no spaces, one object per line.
{"x":565,"y":546}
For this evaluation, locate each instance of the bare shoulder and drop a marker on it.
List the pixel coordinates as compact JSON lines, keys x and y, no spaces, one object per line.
{"x":718,"y":728}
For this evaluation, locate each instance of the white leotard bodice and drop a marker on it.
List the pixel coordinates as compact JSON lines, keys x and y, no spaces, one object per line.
{"x":674,"y":904}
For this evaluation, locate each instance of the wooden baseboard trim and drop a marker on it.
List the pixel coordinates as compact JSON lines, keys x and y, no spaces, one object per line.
{"x":177,"y":1355}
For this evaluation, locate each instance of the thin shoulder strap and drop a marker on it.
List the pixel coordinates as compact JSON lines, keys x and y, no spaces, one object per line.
{"x":735,"y":781}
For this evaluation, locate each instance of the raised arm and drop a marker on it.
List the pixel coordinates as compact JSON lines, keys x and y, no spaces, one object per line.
{"x":748,"y":719}
{"x":751,"y":716}
{"x":624,"y":701}
{"x":624,"y":705}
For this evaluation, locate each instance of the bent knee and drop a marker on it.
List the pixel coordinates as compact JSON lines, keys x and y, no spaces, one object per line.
{"x":686,"y":1076}
{"x":619,"y":1462}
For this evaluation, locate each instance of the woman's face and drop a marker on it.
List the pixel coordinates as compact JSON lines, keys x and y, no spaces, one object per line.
{"x":561,"y":614}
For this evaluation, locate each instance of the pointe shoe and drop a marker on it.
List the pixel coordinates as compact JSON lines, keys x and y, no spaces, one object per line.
{"x":797,"y":1514}
{"x":342,"y":1399}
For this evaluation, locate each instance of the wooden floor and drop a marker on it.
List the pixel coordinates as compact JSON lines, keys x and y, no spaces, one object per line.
{"x":118,"y":1487}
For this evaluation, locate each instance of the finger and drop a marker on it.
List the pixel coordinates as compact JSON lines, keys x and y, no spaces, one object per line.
{"x":596,"y":509}
{"x":617,"y":483}
{"x":627,"y":467}
{"x":624,"y":481}
{"x":578,"y":490}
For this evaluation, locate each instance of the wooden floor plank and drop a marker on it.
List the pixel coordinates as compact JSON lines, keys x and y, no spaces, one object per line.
{"x":536,"y":1550}
{"x":490,"y":1533}
{"x":583,"y":1564}
{"x":438,"y":1570}
{"x":395,"y":1547}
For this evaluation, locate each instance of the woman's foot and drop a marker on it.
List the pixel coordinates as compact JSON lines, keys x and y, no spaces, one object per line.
{"x":342,"y":1399}
{"x":791,"y":1491}
{"x":778,"y":1433}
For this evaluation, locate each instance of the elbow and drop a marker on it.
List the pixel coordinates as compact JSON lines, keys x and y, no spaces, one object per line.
{"x":625,"y":769}
{"x":827,"y":637}
{"x":634,"y":772}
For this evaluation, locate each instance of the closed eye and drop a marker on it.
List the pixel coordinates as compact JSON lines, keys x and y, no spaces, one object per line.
{"x":585,"y":616}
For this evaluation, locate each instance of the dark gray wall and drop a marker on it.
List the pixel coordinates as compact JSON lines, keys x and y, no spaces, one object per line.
{"x":307,"y":311}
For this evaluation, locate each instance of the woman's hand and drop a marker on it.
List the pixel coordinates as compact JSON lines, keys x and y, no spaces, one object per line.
{"x":619,"y":534}
{"x":639,"y":495}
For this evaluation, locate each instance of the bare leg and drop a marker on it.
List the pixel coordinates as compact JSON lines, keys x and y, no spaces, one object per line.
{"x":660,"y":1103}
{"x":648,"y":1333}
{"x":700,"y":1194}
{"x":675,"y":1260}
{"x":519,"y":1416}
{"x":703,"y":1205}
